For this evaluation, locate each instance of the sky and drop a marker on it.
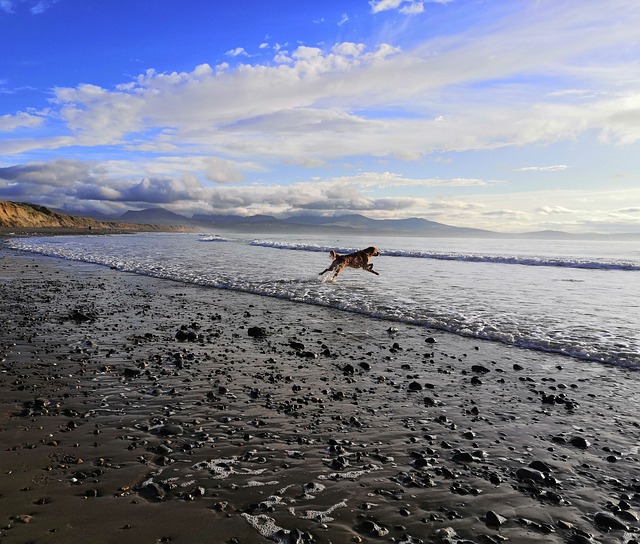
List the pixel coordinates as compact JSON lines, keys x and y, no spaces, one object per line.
{"x":508,"y":115}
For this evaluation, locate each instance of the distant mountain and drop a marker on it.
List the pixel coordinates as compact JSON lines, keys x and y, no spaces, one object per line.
{"x":21,"y":215}
{"x":346,"y":223}
{"x":304,"y":222}
{"x":412,"y":225}
{"x":234,"y":219}
{"x":158,"y":216}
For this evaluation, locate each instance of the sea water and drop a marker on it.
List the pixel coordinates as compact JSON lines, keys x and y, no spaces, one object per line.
{"x":577,"y":298}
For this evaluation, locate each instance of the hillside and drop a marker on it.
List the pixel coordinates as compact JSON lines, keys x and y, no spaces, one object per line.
{"x":20,"y":215}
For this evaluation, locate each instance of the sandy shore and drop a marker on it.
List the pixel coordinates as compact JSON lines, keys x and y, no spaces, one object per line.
{"x":139,"y":410}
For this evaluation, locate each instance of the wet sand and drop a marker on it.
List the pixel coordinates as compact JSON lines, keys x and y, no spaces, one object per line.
{"x":134,"y":409}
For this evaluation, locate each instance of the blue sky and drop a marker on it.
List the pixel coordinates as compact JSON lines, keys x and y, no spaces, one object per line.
{"x":507,"y":115}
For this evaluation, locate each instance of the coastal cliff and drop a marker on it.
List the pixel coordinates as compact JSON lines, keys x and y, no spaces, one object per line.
{"x":21,"y":215}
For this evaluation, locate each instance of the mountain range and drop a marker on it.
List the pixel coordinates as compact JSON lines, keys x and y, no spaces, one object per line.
{"x":34,"y":217}
{"x":350,"y":222}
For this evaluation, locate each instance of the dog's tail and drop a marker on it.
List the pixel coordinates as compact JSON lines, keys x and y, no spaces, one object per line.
{"x":332,"y":254}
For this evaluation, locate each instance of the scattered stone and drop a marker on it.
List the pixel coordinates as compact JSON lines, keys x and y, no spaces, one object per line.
{"x":171,"y":429}
{"x":373,"y":529}
{"x":492,"y":519}
{"x":609,"y":523}
{"x":525,"y":474}
{"x":580,"y":442}
{"x":415,"y":386}
{"x":257,"y":332}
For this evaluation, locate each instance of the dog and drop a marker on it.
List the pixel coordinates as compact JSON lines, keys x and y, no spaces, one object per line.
{"x":358,"y":259}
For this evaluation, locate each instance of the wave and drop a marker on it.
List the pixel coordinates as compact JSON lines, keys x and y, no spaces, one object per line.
{"x":213,"y":238}
{"x":561,"y":262}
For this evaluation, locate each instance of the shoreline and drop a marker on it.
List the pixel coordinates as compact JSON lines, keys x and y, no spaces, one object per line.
{"x":136,"y":408}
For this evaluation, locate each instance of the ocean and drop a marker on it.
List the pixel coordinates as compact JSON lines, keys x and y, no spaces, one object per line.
{"x":577,"y":298}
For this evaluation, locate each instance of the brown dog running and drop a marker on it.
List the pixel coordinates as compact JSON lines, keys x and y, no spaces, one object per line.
{"x":358,"y":259}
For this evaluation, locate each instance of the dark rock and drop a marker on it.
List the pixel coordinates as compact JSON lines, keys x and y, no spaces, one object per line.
{"x":580,"y":442}
{"x":492,"y":519}
{"x":373,"y":529}
{"x":298,"y":346}
{"x":153,"y":491}
{"x":476,"y":381}
{"x":415,"y":386}
{"x":463,"y":457}
{"x":609,"y":523}
{"x":131,"y":372}
{"x":171,"y":429}
{"x":81,"y":316}
{"x":480,"y":369}
{"x":430,"y":340}
{"x":524,"y":474}
{"x":257,"y":332}
{"x":539,"y":465}
{"x":348,"y":369}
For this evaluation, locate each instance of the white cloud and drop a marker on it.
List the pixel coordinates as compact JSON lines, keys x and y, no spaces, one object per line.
{"x":36,"y":7}
{"x":237,"y":52}
{"x":552,"y":168}
{"x":413,"y":8}
{"x":20,"y":119}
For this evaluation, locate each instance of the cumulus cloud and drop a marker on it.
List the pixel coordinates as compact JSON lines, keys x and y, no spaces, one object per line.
{"x":237,"y":52}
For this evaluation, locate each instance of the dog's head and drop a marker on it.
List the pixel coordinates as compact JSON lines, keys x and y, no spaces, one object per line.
{"x":372,"y":251}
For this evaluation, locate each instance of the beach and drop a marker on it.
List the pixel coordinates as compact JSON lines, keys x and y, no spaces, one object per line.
{"x":139,"y":409}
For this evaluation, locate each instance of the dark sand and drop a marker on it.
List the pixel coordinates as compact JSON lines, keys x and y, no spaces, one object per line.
{"x":330,"y":428}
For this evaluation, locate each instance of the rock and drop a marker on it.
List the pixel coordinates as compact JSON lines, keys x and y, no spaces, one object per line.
{"x":524,"y":474}
{"x":517,"y":367}
{"x":476,"y":381}
{"x":539,"y":465}
{"x":627,"y":516}
{"x":257,"y":332}
{"x":415,"y":386}
{"x":446,"y":534}
{"x":373,"y":529}
{"x":81,"y":316}
{"x":298,"y":346}
{"x":171,"y":429}
{"x":463,"y":457}
{"x":153,"y":491}
{"x":430,"y":340}
{"x":131,"y":372}
{"x":480,"y":369}
{"x":580,"y":442}
{"x":348,"y":369}
{"x":492,"y":519}
{"x":609,"y":523}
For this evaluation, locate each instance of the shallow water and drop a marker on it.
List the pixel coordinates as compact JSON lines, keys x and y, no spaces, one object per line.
{"x":578,"y":298}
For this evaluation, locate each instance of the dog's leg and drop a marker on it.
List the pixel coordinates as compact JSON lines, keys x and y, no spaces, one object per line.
{"x":369,"y":268}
